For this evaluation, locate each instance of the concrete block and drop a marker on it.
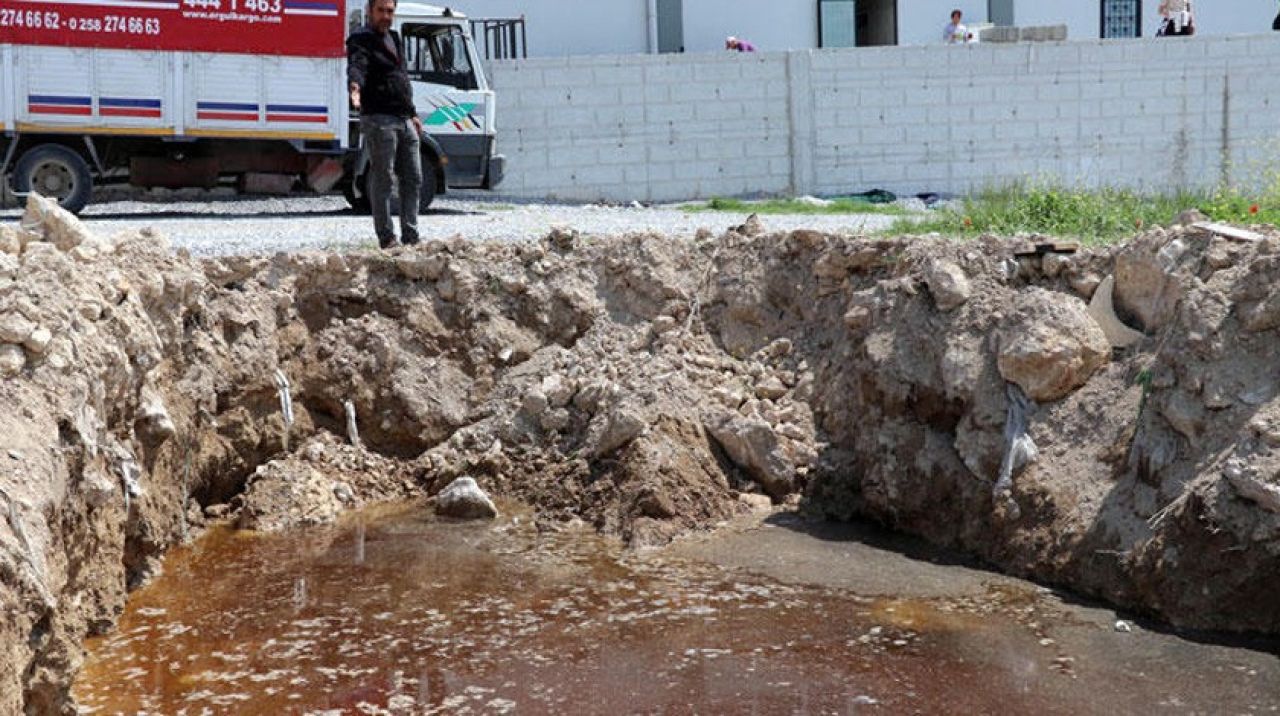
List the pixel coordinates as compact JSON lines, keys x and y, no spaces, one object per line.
{"x":711,"y":111}
{"x":691,"y":92}
{"x":881,"y":135}
{"x":706,"y":71}
{"x":549,"y":97}
{"x":669,"y":73}
{"x":575,"y":117}
{"x":653,"y":93}
{"x":593,"y":96}
{"x":1015,"y":93}
{"x":1058,"y":92}
{"x":740,"y":90}
{"x":618,"y":75}
{"x":719,"y":150}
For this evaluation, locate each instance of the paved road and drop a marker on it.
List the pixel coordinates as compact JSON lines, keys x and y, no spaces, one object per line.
{"x":253,"y":225}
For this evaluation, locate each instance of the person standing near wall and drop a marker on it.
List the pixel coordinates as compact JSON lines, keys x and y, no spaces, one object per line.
{"x":389,"y":123}
{"x":955,"y":33}
{"x":738,"y":44}
{"x":1178,"y":19}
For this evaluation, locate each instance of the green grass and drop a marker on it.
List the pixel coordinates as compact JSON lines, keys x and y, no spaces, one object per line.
{"x":1091,"y":216}
{"x":794,"y":206}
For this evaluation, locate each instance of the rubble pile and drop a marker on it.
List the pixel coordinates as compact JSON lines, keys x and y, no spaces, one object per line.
{"x":649,"y":386}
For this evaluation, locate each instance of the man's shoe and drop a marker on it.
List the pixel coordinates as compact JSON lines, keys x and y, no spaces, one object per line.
{"x":411,"y":242}
{"x":386,"y":243}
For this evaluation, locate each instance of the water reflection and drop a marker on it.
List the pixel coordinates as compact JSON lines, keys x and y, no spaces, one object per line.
{"x":401,"y":614}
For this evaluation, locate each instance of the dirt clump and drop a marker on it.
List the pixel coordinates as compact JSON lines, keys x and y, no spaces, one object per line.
{"x":646,"y":385}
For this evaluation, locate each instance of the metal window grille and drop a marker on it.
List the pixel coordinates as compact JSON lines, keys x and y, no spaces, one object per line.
{"x":1121,"y":18}
{"x":500,"y":38}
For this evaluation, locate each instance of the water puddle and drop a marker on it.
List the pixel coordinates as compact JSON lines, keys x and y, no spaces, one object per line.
{"x":398,"y":613}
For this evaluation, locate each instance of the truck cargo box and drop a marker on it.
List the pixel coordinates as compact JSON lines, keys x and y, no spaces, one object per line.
{"x":229,"y":68}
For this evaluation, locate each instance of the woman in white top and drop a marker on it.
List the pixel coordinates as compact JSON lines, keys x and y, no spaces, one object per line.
{"x":1178,"y":18}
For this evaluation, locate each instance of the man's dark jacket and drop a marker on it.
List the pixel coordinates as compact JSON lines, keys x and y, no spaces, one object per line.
{"x":380,"y":74}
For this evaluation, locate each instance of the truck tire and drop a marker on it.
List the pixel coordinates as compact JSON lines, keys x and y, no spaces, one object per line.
{"x":427,"y":194}
{"x":56,"y":172}
{"x":360,"y":204}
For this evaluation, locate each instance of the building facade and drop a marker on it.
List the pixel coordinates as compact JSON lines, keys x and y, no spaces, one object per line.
{"x":556,"y":28}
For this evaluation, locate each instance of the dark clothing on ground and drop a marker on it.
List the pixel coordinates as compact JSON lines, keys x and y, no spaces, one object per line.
{"x":375,"y":63}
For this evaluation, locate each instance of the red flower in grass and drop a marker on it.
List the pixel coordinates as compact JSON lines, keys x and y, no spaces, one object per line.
{"x":968,"y":222}
{"x":1253,"y":208}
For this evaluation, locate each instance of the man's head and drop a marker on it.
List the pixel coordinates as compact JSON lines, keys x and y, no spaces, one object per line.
{"x":381,"y":13}
{"x":731,"y":43}
{"x":956,"y":15}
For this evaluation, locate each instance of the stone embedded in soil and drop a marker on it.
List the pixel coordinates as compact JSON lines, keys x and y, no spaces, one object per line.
{"x":10,"y":242}
{"x":1147,"y":284}
{"x":15,"y":328}
{"x":770,"y":388}
{"x":53,"y":223}
{"x":754,"y":446}
{"x":757,"y":503}
{"x":283,"y":496}
{"x":1265,"y":494}
{"x":463,"y":499}
{"x":611,"y":430}
{"x":12,"y":359}
{"x":38,"y":342}
{"x":1052,"y":346}
{"x":948,"y":284}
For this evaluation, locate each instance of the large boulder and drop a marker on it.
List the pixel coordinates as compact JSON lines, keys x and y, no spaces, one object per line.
{"x":948,"y":284}
{"x":54,"y":224}
{"x":464,"y":499}
{"x":282,"y":495}
{"x":1051,"y":346}
{"x":753,"y":445}
{"x":1146,"y":282}
{"x":613,"y":429}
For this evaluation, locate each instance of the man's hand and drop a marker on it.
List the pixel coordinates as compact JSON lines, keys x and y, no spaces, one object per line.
{"x":354,"y":89}
{"x":417,"y":124}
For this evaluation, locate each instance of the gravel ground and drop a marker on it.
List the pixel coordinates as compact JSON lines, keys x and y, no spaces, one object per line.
{"x":221,"y":225}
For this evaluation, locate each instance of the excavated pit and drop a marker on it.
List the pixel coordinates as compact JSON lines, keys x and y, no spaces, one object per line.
{"x":649,"y":386}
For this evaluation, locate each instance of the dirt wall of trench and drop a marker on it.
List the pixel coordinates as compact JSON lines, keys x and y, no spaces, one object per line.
{"x":648,"y":385}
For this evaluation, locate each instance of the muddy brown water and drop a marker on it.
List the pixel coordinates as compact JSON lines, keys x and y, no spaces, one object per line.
{"x":396,"y":612}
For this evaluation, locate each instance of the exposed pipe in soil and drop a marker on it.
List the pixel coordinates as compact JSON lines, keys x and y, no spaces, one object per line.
{"x":353,"y":432}
{"x":286,"y":405}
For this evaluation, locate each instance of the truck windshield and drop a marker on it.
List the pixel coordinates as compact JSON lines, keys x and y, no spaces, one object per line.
{"x":438,"y":54}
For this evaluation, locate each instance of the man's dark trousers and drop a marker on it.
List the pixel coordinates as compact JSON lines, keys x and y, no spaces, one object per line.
{"x":393,"y":144}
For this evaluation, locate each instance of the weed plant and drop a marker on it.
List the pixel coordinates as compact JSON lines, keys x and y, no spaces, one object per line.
{"x":1098,"y":216}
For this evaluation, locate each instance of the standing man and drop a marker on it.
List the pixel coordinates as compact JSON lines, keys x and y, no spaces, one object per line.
{"x":955,"y":33}
{"x":389,"y":124}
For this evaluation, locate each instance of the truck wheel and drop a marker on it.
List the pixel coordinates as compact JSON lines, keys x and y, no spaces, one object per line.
{"x":56,"y":172}
{"x":359,"y":204}
{"x":427,"y":193}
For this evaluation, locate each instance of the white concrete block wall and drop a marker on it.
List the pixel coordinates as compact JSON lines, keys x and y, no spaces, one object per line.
{"x":646,"y":127}
{"x":907,"y":119}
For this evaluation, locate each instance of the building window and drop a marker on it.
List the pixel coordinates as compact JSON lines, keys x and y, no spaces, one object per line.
{"x":836,"y":23}
{"x":857,"y":23}
{"x":1000,"y":13}
{"x":1121,"y":18}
